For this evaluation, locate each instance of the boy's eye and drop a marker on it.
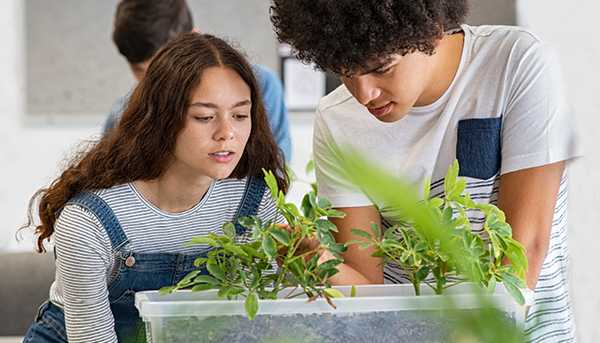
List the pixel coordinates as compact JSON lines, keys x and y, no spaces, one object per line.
{"x":383,"y":70}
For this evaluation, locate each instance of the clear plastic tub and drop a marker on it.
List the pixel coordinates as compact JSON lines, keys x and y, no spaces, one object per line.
{"x":378,"y":313}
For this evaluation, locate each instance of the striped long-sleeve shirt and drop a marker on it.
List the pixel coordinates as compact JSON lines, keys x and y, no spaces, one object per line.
{"x":85,"y":258}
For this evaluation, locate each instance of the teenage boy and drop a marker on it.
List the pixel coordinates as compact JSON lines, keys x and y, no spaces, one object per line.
{"x":143,"y":26}
{"x":421,"y":89}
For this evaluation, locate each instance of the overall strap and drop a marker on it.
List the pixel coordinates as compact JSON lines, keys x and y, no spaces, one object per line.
{"x":105,"y":215}
{"x":255,"y":188}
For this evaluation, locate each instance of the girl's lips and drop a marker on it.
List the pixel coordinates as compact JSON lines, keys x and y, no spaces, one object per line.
{"x":380,"y":111}
{"x":221,"y":158}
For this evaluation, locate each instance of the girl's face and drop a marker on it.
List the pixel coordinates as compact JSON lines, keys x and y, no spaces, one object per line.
{"x":217,"y":126}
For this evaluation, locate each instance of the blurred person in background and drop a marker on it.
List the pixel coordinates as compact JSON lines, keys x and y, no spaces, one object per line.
{"x":141,"y":27}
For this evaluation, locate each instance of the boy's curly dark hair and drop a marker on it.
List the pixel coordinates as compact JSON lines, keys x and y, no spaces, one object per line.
{"x":342,"y":36}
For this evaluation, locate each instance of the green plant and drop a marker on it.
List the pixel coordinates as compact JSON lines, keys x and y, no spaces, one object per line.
{"x":249,"y":269}
{"x":403,"y":198}
{"x":489,"y":258}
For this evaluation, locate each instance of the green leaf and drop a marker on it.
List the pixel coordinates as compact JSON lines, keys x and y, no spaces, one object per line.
{"x":324,"y":203}
{"x":281,"y":235}
{"x":247,"y":222}
{"x":335,"y":214}
{"x":206,"y":279}
{"x":353,"y":291}
{"x":514,"y":291}
{"x":251,"y":305}
{"x":422,"y":273}
{"x":378,"y":253}
{"x":333,"y":293}
{"x":236,"y":250}
{"x":256,"y":280}
{"x":330,"y":264}
{"x":223,"y":291}
{"x":426,"y":188}
{"x":292,"y":209}
{"x":450,"y":180}
{"x":436,"y":202}
{"x":312,"y":198}
{"x":459,"y":188}
{"x":324,"y":226}
{"x":229,"y":230}
{"x":251,"y":250}
{"x":215,"y":270}
{"x":235,"y":290}
{"x":268,"y":245}
{"x":310,"y":166}
{"x":361,"y":233}
{"x":337,"y":249}
{"x":376,"y":230}
{"x":297,"y":266}
{"x":167,"y":290}
{"x":447,"y":216}
{"x":203,"y":287}
{"x":361,"y":244}
{"x":203,"y":240}
{"x":188,"y":278}
{"x":200,"y":261}
{"x":307,"y":208}
{"x":271,"y":182}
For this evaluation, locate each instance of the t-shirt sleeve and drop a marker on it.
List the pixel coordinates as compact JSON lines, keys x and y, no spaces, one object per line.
{"x":83,"y":257}
{"x":538,"y":126}
{"x":330,"y":180}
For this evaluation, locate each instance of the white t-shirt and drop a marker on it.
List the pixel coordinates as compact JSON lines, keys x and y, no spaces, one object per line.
{"x":504,"y":111}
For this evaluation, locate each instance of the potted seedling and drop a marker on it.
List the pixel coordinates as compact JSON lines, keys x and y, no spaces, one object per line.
{"x":278,"y":256}
{"x":273,"y":290}
{"x":490,"y":257}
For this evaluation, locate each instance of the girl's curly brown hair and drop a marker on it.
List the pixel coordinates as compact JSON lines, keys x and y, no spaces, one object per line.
{"x":342,"y":36}
{"x":141,"y":146}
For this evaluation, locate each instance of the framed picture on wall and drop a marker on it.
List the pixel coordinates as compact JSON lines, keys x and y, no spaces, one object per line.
{"x":303,"y":84}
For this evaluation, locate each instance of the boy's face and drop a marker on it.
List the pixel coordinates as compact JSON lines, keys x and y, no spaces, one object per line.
{"x":391,"y":87}
{"x":139,"y":69}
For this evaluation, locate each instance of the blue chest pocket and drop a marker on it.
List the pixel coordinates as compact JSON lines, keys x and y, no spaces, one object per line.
{"x":478,"y":147}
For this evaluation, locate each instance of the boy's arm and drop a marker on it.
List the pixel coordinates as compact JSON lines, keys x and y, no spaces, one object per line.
{"x":528,"y":198}
{"x":359,"y":266}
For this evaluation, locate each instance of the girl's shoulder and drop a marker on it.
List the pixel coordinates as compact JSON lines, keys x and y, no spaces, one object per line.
{"x":88,"y":205}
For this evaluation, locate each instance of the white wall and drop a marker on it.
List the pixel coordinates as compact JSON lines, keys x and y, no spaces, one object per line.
{"x":572,"y":27}
{"x":29,"y":155}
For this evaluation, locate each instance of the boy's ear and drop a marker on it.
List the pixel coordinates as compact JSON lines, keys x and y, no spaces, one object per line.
{"x":195,"y":30}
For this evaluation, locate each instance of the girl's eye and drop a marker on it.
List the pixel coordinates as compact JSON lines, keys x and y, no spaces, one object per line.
{"x":203,"y":119}
{"x":240,"y":116}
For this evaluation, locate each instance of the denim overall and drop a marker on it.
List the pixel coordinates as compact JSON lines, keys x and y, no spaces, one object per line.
{"x":136,"y":272}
